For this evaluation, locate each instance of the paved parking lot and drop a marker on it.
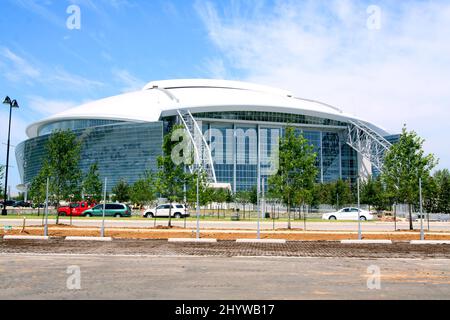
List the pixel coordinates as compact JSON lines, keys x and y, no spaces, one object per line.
{"x":163,"y":277}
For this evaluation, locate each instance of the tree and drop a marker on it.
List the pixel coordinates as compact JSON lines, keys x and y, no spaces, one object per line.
{"x":341,"y":193}
{"x":92,"y":185}
{"x":373,"y":193}
{"x":442,"y":180}
{"x":404,"y":164}
{"x":220,"y":196}
{"x":297,"y":168}
{"x":171,"y":176}
{"x":63,"y":155}
{"x":243,"y":197}
{"x":143,"y":191}
{"x":121,"y":191}
{"x":38,"y":186}
{"x":204,"y":192}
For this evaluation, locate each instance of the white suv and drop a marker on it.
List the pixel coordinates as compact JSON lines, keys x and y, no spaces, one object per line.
{"x":178,"y":211}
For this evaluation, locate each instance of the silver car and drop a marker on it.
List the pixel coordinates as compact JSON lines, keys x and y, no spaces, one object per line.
{"x":178,"y":211}
{"x":349,"y":213}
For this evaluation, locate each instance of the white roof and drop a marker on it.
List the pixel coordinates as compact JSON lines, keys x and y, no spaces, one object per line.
{"x":198,"y":95}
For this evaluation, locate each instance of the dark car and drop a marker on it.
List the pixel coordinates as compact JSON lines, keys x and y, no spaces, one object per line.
{"x":22,"y":204}
{"x":9,"y":203}
{"x":111,"y":210}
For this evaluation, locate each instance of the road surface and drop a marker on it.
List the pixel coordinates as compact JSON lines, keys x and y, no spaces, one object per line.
{"x":31,"y":276}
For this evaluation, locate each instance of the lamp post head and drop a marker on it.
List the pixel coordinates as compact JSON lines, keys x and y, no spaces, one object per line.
{"x":7,"y":100}
{"x":14,"y":104}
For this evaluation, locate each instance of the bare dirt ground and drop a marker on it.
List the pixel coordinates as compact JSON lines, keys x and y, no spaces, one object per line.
{"x":226,"y":248}
{"x":177,"y":232}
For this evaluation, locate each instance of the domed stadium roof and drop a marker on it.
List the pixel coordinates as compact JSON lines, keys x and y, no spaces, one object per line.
{"x":163,"y":98}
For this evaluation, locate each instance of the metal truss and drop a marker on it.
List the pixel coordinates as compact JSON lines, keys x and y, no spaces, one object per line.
{"x":202,"y":152}
{"x":370,"y":144}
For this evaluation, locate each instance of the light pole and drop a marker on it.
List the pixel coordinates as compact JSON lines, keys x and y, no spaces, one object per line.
{"x":198,"y":206}
{"x":12,"y":104}
{"x":359,"y":213}
{"x":422,"y":237}
{"x":102,"y":230}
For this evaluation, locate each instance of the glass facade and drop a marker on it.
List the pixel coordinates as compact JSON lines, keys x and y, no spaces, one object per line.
{"x":73,"y":125}
{"x":243,"y":146}
{"x":122,"y":150}
{"x":270,"y":117}
{"x":235,"y":148}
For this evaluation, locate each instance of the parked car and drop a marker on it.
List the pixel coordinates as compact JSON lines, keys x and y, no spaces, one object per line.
{"x":9,"y":203}
{"x":75,"y":208}
{"x":22,"y":203}
{"x":178,"y":211}
{"x":111,"y":210}
{"x":348,"y":214}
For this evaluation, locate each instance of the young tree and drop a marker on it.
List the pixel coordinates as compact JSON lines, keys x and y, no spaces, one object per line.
{"x":205,"y":193}
{"x":63,"y":155}
{"x":442,"y":180}
{"x":143,"y":191}
{"x":92,"y":185}
{"x":297,"y":168}
{"x":243,"y":197}
{"x":341,"y":193}
{"x":38,"y":187}
{"x":220,"y":196}
{"x":121,"y":191}
{"x":404,"y":164}
{"x":171,"y":176}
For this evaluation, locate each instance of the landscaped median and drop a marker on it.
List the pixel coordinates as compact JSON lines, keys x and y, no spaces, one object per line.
{"x":219,"y":234}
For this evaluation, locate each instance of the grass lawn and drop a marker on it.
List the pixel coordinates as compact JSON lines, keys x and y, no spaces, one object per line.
{"x":191,"y":218}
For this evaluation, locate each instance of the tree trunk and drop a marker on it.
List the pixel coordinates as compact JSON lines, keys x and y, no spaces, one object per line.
{"x":289,"y":213}
{"x":57,"y":214}
{"x":410,"y":217}
{"x":170,"y":215}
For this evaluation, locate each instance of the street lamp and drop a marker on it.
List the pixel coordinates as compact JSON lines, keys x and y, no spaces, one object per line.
{"x":12,"y":104}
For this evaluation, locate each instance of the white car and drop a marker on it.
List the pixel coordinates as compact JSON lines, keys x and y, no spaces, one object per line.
{"x":348,"y":214}
{"x":178,"y":211}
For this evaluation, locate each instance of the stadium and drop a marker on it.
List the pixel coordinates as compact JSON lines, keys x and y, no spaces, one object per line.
{"x":236,"y":126}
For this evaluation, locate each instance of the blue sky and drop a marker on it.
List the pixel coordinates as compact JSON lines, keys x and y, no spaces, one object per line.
{"x":394,"y":74}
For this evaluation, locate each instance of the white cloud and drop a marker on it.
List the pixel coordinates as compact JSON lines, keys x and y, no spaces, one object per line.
{"x":46,"y":107}
{"x":41,"y":9}
{"x":323,"y":50}
{"x":216,"y":69}
{"x":26,"y":69}
{"x":16,"y":68}
{"x":128,"y":81}
{"x":64,"y":78}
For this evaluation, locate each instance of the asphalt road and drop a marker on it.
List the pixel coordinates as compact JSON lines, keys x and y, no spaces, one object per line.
{"x":312,"y":226}
{"x":31,"y":276}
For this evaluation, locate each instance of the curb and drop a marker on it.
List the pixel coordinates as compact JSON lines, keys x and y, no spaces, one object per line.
{"x":206,"y":240}
{"x":374,"y":241}
{"x":14,"y":237}
{"x":429,"y":242}
{"x":74,"y":238}
{"x":260,"y":241}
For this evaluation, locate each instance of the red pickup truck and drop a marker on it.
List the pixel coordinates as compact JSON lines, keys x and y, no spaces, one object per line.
{"x":75,"y":208}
